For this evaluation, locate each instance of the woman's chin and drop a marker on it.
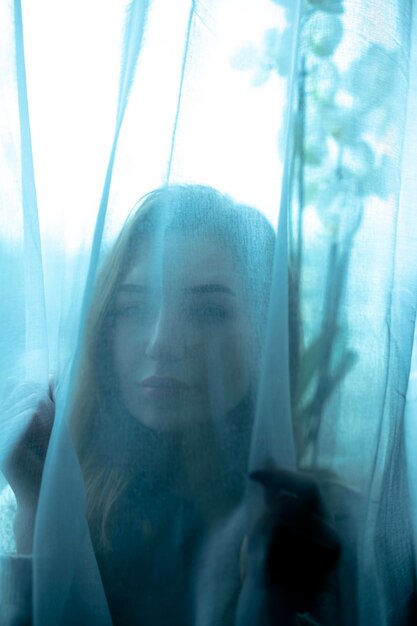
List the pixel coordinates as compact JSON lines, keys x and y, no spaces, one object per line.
{"x":166,"y":418}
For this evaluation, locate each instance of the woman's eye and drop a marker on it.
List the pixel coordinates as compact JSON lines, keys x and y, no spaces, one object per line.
{"x":210,"y":313}
{"x":132,"y":311}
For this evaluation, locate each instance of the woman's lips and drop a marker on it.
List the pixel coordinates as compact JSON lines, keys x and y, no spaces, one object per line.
{"x":163,"y":387}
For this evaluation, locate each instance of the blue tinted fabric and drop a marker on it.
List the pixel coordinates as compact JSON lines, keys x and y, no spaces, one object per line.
{"x":208,"y":271}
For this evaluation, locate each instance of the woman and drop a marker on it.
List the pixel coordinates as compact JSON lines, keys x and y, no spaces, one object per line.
{"x":161,"y":420}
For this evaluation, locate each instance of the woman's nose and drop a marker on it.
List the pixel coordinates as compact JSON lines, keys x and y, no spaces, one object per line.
{"x":166,"y":340}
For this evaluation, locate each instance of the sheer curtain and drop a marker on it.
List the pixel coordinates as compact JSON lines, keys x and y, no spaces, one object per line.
{"x":301,"y":114}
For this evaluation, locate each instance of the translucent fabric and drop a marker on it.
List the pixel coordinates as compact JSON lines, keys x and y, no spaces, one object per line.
{"x":208,"y":257}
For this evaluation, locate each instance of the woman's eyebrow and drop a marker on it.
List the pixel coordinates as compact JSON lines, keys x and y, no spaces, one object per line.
{"x":210,"y":288}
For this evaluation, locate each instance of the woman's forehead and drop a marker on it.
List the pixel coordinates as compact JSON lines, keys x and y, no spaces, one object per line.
{"x":183,"y":259}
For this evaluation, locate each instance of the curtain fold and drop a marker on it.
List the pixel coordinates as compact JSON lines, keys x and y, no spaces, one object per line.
{"x":209,"y":262}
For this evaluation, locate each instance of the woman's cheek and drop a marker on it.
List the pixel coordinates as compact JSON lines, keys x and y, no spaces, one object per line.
{"x":233,"y":366}
{"x":127,"y":352}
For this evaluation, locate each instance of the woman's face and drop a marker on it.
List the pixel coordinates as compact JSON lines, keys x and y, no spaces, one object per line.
{"x":183,"y":340}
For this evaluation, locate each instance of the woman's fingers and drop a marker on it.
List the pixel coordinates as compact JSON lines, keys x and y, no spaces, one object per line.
{"x":23,"y":471}
{"x":27,"y":422}
{"x":26,"y":419}
{"x":293,"y":544}
{"x":300,"y":484}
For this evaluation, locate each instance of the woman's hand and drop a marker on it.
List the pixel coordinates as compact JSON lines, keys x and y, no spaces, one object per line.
{"x":27,"y":417}
{"x":292,"y":548}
